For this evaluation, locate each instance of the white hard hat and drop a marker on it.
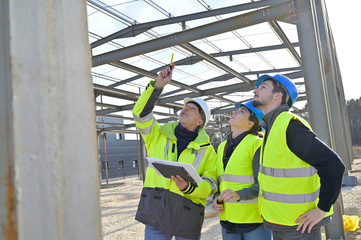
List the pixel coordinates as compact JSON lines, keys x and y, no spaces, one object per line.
{"x":203,"y":105}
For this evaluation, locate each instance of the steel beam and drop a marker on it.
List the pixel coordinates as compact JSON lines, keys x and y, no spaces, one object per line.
{"x":226,"y":77}
{"x":173,"y":82}
{"x":153,"y":75}
{"x":194,"y":59}
{"x":277,"y":28}
{"x":215,"y":62}
{"x":136,"y":29}
{"x":243,"y":20}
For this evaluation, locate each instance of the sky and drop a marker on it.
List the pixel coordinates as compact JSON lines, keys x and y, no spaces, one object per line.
{"x":345,"y":25}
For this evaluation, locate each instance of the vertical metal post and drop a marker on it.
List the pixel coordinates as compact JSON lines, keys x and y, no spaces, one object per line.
{"x":99,"y":159}
{"x":317,"y":95}
{"x":329,"y":66}
{"x":8,"y":204}
{"x":341,"y":96}
{"x":221,"y":132}
{"x":140,"y":165}
{"x":49,"y":185}
{"x":343,"y":107}
{"x":314,"y":76}
{"x":105,"y":158}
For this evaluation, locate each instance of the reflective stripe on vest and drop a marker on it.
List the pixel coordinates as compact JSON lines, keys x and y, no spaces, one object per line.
{"x":143,"y":119}
{"x":197,"y":162}
{"x":199,"y":154}
{"x":166,"y":148}
{"x":236,"y":178}
{"x":212,"y":182}
{"x":291,"y":198}
{"x":146,"y":131}
{"x":199,"y":158}
{"x":288,"y":172}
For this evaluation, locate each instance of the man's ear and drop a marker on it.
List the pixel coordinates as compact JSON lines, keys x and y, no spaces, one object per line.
{"x":277,"y":95}
{"x":200,"y":122}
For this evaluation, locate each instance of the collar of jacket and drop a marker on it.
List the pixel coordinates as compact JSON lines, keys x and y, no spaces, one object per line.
{"x":270,"y":117}
{"x":169,"y":128}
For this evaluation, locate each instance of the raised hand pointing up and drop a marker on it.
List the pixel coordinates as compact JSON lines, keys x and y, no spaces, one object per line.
{"x":164,"y":77}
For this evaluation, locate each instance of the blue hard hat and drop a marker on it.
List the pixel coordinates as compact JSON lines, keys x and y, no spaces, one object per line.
{"x":256,"y":111}
{"x":285,"y":81}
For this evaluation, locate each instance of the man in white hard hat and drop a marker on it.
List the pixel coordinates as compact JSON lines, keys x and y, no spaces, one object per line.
{"x":299,"y":177}
{"x":175,"y":207}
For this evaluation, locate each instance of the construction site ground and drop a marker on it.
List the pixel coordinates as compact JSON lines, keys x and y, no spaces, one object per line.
{"x":119,"y":200}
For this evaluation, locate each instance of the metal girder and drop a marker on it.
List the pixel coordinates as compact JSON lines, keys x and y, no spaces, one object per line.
{"x":139,"y":28}
{"x":164,"y":120}
{"x":115,"y":117}
{"x":173,"y":82}
{"x":231,"y":107}
{"x":165,"y":101}
{"x":194,"y":59}
{"x":116,"y":92}
{"x":153,"y":75}
{"x":226,"y":77}
{"x":106,"y":111}
{"x":243,"y":20}
{"x":215,"y":62}
{"x":127,"y":32}
{"x":211,"y":91}
{"x":277,"y":28}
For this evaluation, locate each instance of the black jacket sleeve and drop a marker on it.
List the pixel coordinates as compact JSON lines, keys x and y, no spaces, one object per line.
{"x":304,"y":143}
{"x":148,"y":108}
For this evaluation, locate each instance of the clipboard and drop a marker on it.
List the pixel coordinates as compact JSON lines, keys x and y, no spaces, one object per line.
{"x":167,"y":168}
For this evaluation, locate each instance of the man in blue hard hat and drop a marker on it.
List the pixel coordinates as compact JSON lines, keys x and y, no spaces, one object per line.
{"x":300,"y":177}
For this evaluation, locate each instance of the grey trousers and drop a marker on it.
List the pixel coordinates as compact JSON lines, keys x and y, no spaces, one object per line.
{"x":315,"y":234}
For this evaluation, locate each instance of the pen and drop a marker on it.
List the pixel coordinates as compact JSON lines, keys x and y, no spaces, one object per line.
{"x":171,"y":61}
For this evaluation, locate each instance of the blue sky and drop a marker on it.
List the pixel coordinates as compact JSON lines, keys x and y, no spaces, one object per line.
{"x":345,"y":24}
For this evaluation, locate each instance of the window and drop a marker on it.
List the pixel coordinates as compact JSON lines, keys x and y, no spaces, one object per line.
{"x":118,"y":136}
{"x":135,"y":163}
{"x":120,"y":164}
{"x":103,"y":166}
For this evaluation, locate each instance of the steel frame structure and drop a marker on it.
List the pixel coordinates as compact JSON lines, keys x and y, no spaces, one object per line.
{"x":315,"y":63}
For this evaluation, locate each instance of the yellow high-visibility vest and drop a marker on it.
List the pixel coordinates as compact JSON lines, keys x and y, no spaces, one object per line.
{"x":289,"y":187}
{"x":239,"y":175}
{"x":161,"y":143}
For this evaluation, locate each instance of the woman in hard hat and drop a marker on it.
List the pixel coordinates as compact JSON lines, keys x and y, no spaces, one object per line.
{"x":236,"y":202}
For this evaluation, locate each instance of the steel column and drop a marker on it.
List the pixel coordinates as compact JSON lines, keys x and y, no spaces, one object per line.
{"x":8,"y":205}
{"x":336,"y":112}
{"x":317,"y":94}
{"x":47,"y":130}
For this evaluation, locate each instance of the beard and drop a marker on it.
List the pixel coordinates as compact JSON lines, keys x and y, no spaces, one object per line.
{"x":256,"y":103}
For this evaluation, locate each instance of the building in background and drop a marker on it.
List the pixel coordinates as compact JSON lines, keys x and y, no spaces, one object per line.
{"x":121,"y":155}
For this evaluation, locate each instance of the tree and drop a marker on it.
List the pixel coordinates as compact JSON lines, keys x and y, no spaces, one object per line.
{"x":354,"y":115}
